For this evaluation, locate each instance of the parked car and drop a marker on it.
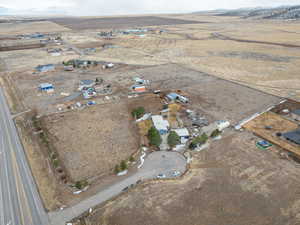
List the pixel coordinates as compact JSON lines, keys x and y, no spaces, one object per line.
{"x":176,"y":174}
{"x":125,"y":189}
{"x":161,"y":176}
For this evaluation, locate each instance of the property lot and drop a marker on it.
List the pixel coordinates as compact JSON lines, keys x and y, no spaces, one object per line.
{"x":118,"y":22}
{"x":222,"y":188}
{"x":92,"y":141}
{"x":63,"y":82}
{"x":277,"y":124}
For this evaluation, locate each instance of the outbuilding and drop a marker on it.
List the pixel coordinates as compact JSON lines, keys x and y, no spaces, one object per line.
{"x":183,"y":133}
{"x":296,"y":114}
{"x":45,"y":68}
{"x":46,"y":87}
{"x":86,"y":84}
{"x":174,"y":96}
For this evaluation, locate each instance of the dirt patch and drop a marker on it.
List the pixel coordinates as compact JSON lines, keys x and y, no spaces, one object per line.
{"x":253,"y":55}
{"x":92,"y":141}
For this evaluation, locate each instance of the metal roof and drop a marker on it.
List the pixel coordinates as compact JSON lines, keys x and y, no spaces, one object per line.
{"x":46,"y":85}
{"x":159,"y":123}
{"x":182,"y":132}
{"x":86,"y":82}
{"x":297,"y":112}
{"x":293,"y":136}
{"x":172,"y":96}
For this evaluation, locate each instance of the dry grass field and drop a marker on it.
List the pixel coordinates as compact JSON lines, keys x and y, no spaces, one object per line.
{"x":278,"y":124}
{"x":232,"y":182}
{"x":224,"y":189}
{"x":30,"y":27}
{"x":91,"y":142}
{"x":117,"y":22}
{"x":265,"y":62}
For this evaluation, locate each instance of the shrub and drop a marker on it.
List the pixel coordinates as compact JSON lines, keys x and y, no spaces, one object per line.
{"x":55,"y":163}
{"x":173,"y":139}
{"x":200,"y":140}
{"x":215,"y":133}
{"x":123,"y":165}
{"x":117,"y":169}
{"x":81,"y":184}
{"x":138,"y":112}
{"x":131,"y":159}
{"x":154,"y":137}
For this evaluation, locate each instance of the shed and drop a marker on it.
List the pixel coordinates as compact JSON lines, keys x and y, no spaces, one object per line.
{"x":296,"y":114}
{"x":46,"y":87}
{"x":138,"y":88}
{"x":45,"y":68}
{"x":160,"y":124}
{"x":174,"y":96}
{"x":184,"y":134}
{"x":293,"y":136}
{"x":86,"y":84}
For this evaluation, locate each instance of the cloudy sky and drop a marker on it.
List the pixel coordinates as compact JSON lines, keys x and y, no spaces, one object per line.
{"x":101,"y":7}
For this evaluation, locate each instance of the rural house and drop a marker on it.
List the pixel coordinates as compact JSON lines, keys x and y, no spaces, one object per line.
{"x":160,"y":124}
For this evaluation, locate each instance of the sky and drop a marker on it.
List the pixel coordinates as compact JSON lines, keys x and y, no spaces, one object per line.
{"x":114,"y":7}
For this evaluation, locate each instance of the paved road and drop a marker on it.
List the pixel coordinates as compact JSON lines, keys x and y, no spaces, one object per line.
{"x":20,"y":203}
{"x":156,"y":163}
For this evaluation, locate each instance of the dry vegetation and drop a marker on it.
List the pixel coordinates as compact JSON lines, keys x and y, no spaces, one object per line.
{"x":30,"y":27}
{"x":232,"y":182}
{"x":91,"y":142}
{"x":226,"y":189}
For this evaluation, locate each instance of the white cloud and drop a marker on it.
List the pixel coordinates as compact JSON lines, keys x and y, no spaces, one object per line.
{"x":101,"y":7}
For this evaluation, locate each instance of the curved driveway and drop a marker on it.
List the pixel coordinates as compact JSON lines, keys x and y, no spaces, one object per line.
{"x":160,"y":162}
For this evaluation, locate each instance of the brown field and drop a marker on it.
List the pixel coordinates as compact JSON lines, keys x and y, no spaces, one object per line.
{"x":118,"y":22}
{"x":225,"y":189}
{"x":92,"y":141}
{"x":30,"y":27}
{"x":232,"y":182}
{"x":278,"y":124}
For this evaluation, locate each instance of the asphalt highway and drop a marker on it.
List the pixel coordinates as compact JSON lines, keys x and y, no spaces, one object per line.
{"x":20,"y":203}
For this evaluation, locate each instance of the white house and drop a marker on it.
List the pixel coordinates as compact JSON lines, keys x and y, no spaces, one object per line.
{"x":160,"y":124}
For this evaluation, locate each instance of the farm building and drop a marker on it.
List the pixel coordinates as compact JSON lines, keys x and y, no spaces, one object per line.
{"x":86,"y":84}
{"x":174,"y":96}
{"x":293,"y":136}
{"x":46,"y":87}
{"x":160,"y":124}
{"x":138,"y":88}
{"x":296,"y":114}
{"x":45,"y":68}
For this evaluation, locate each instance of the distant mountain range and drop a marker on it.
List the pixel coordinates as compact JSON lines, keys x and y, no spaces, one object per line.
{"x":282,"y":12}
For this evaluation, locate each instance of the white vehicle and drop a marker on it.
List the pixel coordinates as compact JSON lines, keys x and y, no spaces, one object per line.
{"x":176,"y":174}
{"x":161,"y":176}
